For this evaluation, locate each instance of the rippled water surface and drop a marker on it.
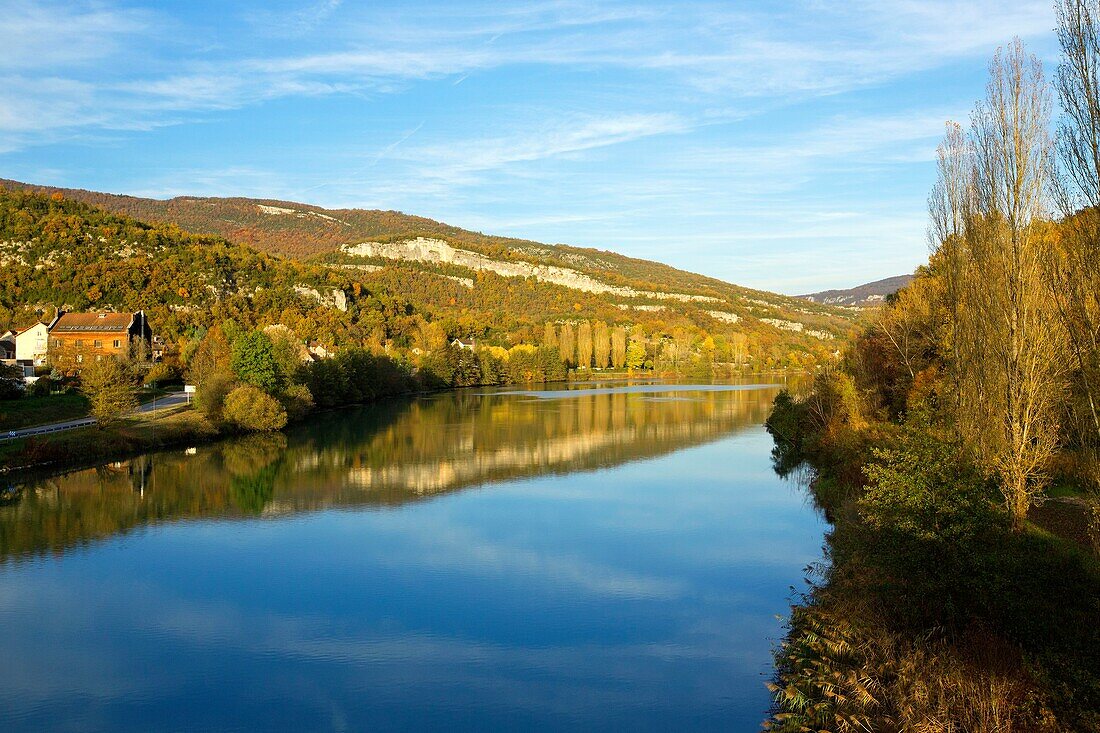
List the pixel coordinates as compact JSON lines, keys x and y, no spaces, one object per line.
{"x":597,"y":557}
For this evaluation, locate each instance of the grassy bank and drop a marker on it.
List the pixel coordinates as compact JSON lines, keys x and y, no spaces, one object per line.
{"x":27,"y":412}
{"x":82,"y":446}
{"x":932,"y":612}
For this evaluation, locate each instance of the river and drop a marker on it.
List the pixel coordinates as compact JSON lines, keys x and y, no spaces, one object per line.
{"x":598,"y":557}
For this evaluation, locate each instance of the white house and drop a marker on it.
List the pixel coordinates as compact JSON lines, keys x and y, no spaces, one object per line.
{"x":31,"y":344}
{"x":464,"y":344}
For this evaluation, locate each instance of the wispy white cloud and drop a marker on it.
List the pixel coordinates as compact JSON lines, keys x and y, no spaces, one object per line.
{"x":293,"y":23}
{"x":550,"y":139}
{"x":785,"y":159}
{"x":386,"y":151}
{"x":45,"y":34}
{"x":827,"y":48}
{"x":710,"y":50}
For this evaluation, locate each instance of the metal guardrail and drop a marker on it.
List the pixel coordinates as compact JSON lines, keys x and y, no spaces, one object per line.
{"x":28,"y":432}
{"x":45,"y":429}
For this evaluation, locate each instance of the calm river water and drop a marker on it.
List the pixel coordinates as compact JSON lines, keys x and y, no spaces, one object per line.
{"x":597,"y":557}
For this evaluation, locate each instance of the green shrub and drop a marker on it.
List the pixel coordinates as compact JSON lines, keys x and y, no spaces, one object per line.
{"x":355,"y":376}
{"x":251,"y":408}
{"x":438,"y":367}
{"x":492,"y":367}
{"x":467,"y":369}
{"x":210,"y":395}
{"x":42,"y":387}
{"x":924,"y":488}
{"x":297,"y":401}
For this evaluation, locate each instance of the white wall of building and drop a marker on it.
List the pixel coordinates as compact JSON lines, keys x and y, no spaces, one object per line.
{"x":30,"y":345}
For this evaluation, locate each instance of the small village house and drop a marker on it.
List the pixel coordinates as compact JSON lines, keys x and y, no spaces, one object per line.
{"x":464,"y":344}
{"x":32,"y":344}
{"x":80,"y":337}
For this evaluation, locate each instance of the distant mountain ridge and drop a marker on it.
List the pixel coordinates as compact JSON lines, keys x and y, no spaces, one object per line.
{"x":861,"y":296}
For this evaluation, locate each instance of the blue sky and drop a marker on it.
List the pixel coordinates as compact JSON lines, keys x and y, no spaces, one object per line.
{"x":782,"y":145}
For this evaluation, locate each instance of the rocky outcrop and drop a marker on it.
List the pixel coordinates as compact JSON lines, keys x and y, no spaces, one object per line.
{"x":796,"y":327}
{"x":637,"y":307}
{"x":282,"y":211}
{"x":436,"y":251}
{"x":364,"y":268}
{"x":335,"y":298}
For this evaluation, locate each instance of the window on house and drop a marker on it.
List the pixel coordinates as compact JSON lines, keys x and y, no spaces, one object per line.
{"x":57,"y":343}
{"x":78,"y":343}
{"x":118,"y":344}
{"x":79,"y":358}
{"x":97,"y":344}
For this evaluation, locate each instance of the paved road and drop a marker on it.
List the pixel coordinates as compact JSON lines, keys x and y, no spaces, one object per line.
{"x":169,"y":400}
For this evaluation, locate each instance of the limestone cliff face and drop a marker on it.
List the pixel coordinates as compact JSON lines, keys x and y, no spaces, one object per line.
{"x":437,"y":251}
{"x":336,"y":298}
{"x":796,"y":327}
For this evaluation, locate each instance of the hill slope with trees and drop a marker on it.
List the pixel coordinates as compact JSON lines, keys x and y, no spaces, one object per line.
{"x":303,"y":231}
{"x":59,"y":251}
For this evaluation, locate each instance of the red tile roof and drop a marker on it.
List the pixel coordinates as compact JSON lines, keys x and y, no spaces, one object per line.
{"x":18,"y":331}
{"x":94,"y":322}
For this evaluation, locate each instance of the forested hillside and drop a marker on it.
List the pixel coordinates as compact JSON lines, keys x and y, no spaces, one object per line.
{"x":303,"y":231}
{"x":60,"y":252}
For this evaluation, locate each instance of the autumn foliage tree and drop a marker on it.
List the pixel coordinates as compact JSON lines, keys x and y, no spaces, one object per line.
{"x":584,"y":345}
{"x":618,"y":347}
{"x":567,"y":345}
{"x":1074,"y":272}
{"x":601,"y":345}
{"x":211,"y":371}
{"x":549,"y":335}
{"x":109,"y":387}
{"x":1009,"y":367}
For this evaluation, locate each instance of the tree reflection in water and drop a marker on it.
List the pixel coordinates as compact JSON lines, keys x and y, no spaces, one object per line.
{"x":385,"y":455}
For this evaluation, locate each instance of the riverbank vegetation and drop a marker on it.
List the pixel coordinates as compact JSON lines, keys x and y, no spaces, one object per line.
{"x":946,"y":602}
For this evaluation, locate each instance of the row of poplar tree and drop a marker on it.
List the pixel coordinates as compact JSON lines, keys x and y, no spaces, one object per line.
{"x":593,"y":345}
